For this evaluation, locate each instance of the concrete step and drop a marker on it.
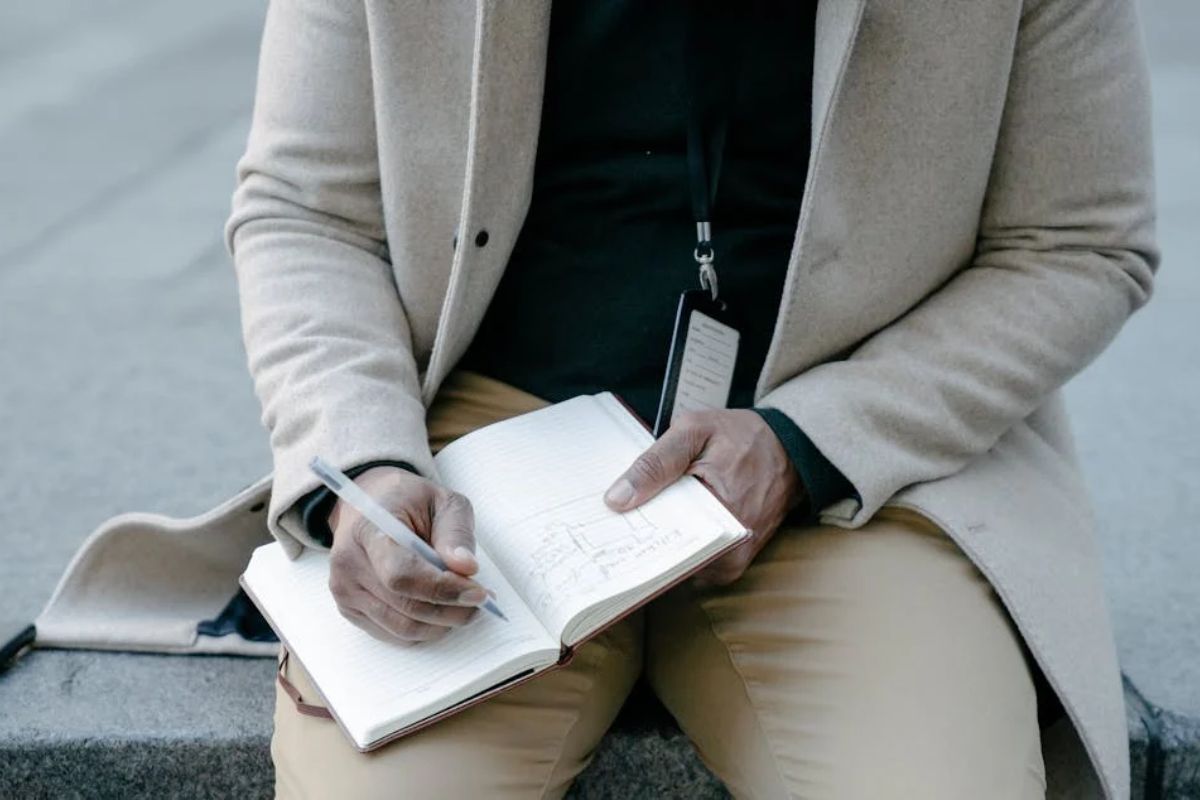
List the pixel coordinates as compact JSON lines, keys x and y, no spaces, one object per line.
{"x":85,"y":724}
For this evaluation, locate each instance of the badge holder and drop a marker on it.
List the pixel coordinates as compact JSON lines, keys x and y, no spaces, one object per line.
{"x":701,"y":361}
{"x":704,"y":344}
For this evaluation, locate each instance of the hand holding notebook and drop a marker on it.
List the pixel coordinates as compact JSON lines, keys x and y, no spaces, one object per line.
{"x":563,"y":567}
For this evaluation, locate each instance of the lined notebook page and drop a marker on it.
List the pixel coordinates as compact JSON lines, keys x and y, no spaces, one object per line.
{"x":537,"y":483}
{"x":375,"y":688}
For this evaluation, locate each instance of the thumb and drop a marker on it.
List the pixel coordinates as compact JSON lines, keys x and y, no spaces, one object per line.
{"x":453,"y":532}
{"x":657,"y":468}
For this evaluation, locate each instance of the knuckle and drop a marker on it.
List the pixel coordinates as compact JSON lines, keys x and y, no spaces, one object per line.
{"x":421,"y":584}
{"x":418,"y":610}
{"x":417,"y":487}
{"x":387,"y":618}
{"x":433,"y":632}
{"x":358,"y":527}
{"x":439,"y":614}
{"x":445,"y":587}
{"x":374,"y":607}
{"x":649,"y":467}
{"x":407,"y":628}
{"x":454,"y":615}
{"x":417,"y":631}
{"x":457,"y":515}
{"x":727,"y":574}
{"x":379,"y":634}
{"x":459,"y":616}
{"x":456,"y":501}
{"x":339,"y":561}
{"x":440,"y":588}
{"x":402,"y":582}
{"x":696,"y":433}
{"x":338,"y":586}
{"x":425,"y":633}
{"x":401,"y":571}
{"x":717,"y":577}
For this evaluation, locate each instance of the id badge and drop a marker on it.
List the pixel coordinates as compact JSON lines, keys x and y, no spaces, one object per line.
{"x":703,"y":355}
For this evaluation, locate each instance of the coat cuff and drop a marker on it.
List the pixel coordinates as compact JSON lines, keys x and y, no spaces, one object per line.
{"x":824,"y":484}
{"x":316,"y":506}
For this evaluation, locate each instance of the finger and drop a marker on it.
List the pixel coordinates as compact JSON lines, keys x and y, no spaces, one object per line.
{"x":709,"y":578}
{"x":351,"y":596}
{"x":436,"y":614}
{"x":401,"y":626}
{"x":362,"y":622}
{"x":723,"y":571}
{"x":433,"y":613}
{"x":400,"y":571}
{"x":453,"y":534}
{"x":659,"y":466}
{"x":716,"y":576}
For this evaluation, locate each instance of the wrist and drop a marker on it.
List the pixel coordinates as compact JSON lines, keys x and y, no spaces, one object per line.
{"x":364,"y":479}
{"x":316,"y":508}
{"x":822,"y":482}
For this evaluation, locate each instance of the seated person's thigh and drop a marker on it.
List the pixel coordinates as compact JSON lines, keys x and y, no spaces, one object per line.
{"x":530,"y":741}
{"x":875,"y":663}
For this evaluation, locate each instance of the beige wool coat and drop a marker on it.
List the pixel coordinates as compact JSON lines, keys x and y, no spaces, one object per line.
{"x":977,"y":225}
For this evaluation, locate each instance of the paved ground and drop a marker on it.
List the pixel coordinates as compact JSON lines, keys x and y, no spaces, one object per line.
{"x":120,"y":122}
{"x":1136,"y":410}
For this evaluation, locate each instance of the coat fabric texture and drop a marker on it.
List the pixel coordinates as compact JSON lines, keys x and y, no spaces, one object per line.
{"x":977,"y":225}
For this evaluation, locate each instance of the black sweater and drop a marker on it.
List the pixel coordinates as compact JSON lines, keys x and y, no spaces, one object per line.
{"x":588,"y":297}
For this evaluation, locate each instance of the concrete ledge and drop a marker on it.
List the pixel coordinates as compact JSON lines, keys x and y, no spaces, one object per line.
{"x":1180,"y":743}
{"x":159,"y":768}
{"x":77,"y":724}
{"x":1164,"y":750}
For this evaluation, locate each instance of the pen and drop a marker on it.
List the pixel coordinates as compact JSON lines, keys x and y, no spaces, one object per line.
{"x":381,"y":518}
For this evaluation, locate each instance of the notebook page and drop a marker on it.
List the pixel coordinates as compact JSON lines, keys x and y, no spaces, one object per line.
{"x":375,"y":688}
{"x":537,"y":483}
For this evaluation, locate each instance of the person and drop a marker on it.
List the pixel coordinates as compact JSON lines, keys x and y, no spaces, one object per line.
{"x":916,"y":222}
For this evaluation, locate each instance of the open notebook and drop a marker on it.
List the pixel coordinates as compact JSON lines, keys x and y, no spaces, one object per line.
{"x":563,"y":567}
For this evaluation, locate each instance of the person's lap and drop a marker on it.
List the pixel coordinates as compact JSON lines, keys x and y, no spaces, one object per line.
{"x":530,"y":741}
{"x":865,"y":663}
{"x":875,"y":662}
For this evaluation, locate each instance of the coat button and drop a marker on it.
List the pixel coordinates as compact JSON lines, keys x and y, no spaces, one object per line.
{"x":481,"y":238}
{"x":454,"y":242}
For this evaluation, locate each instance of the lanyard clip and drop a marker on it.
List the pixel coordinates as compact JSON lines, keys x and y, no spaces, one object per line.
{"x":704,"y":256}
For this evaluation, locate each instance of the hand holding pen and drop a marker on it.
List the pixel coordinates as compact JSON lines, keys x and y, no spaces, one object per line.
{"x":414,"y":592}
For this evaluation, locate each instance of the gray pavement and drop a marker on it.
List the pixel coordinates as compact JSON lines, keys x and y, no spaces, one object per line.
{"x":1136,"y":410}
{"x":125,"y":386}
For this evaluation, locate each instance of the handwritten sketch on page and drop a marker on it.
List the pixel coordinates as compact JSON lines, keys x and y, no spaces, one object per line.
{"x":580,"y":546}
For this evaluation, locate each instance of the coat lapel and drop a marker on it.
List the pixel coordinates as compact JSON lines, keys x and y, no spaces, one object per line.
{"x":836,"y":28}
{"x":508,"y":75}
{"x":817,"y":235}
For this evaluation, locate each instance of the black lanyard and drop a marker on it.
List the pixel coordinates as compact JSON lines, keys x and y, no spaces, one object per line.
{"x":714,"y":45}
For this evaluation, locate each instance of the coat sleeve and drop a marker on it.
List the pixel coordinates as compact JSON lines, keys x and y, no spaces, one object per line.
{"x":1065,"y":254}
{"x":327,"y":341}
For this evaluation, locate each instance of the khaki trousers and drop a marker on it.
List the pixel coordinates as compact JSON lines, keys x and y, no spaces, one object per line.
{"x":870,"y":663}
